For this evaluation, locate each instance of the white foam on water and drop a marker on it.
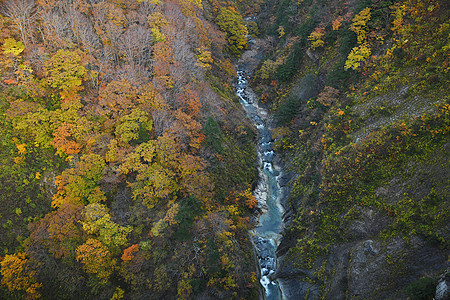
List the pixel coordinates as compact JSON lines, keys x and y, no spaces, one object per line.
{"x":268,"y":166}
{"x":265,"y":281}
{"x":266,"y":256}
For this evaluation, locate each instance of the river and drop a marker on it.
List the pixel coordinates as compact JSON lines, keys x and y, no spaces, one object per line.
{"x":267,"y":233}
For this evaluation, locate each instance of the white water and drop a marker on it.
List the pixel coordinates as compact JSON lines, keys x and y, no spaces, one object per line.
{"x":267,"y":234}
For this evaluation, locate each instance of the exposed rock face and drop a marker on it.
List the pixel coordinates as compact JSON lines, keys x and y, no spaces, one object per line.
{"x":366,"y":265}
{"x":297,"y":289}
{"x":367,"y":269}
{"x":443,"y":287}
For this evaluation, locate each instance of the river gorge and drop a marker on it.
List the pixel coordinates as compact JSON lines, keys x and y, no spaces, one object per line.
{"x":266,"y":235}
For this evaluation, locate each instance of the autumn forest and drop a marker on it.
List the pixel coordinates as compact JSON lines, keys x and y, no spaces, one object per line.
{"x":127,"y":164}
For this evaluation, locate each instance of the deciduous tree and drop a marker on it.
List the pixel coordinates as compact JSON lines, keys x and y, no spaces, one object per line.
{"x":59,"y":231}
{"x":98,"y":221}
{"x":78,"y":185}
{"x":18,"y":276}
{"x":23,"y":13}
{"x":232,"y":24}
{"x":65,"y":72}
{"x":96,"y":259}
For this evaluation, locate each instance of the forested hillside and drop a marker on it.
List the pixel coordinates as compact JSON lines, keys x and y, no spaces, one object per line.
{"x":126,"y":162}
{"x":359,"y":91}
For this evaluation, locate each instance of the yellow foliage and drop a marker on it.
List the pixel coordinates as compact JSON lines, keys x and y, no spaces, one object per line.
{"x":204,"y":57}
{"x":281,"y":32}
{"x":98,"y":221}
{"x":116,"y":15}
{"x":111,"y":155}
{"x":156,"y":21}
{"x":64,"y":71}
{"x":269,"y":67}
{"x":96,"y":259}
{"x":358,"y":55}
{"x":184,"y":289}
{"x":167,"y":81}
{"x":10,"y":46}
{"x":233,"y":210}
{"x":129,"y":126}
{"x":19,"y":159}
{"x":197,"y":3}
{"x":157,"y":35}
{"x":151,"y":98}
{"x":232,"y":23}
{"x":316,"y":38}
{"x":22,"y":148}
{"x":118,"y":294}
{"x":171,"y":214}
{"x":359,"y":25}
{"x":17,"y":276}
{"x":158,"y":227}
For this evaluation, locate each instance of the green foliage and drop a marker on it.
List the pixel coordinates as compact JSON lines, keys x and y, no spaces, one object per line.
{"x":198,"y":285}
{"x":23,"y":176}
{"x":351,"y":175}
{"x":213,"y":135}
{"x":286,"y":71}
{"x":235,"y":168}
{"x":337,"y":77}
{"x":348,"y":41}
{"x":422,"y":289}
{"x":305,"y":29}
{"x":310,"y":250}
{"x":331,"y":37}
{"x":289,"y":108}
{"x":213,"y":257}
{"x":190,"y":208}
{"x":131,"y":139}
{"x":346,"y":165}
{"x":282,"y":18}
{"x":129,"y":153}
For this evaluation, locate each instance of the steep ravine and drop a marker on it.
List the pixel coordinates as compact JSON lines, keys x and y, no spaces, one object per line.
{"x":266,"y":235}
{"x":364,"y":265}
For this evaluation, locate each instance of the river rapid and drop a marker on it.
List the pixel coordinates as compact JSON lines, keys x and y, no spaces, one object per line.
{"x":266,"y":235}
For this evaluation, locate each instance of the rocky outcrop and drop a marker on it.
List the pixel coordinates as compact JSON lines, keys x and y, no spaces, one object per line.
{"x":443,"y":286}
{"x":367,"y":269}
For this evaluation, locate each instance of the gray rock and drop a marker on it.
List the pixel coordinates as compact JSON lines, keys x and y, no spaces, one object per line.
{"x":285,"y":178}
{"x":442,"y":289}
{"x":369,"y":247}
{"x":296,"y":289}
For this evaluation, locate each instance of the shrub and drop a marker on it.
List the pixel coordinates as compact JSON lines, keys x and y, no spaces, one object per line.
{"x":289,"y":69}
{"x":213,"y":135}
{"x":422,"y":289}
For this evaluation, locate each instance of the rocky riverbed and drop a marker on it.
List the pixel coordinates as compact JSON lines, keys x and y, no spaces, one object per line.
{"x":266,"y":235}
